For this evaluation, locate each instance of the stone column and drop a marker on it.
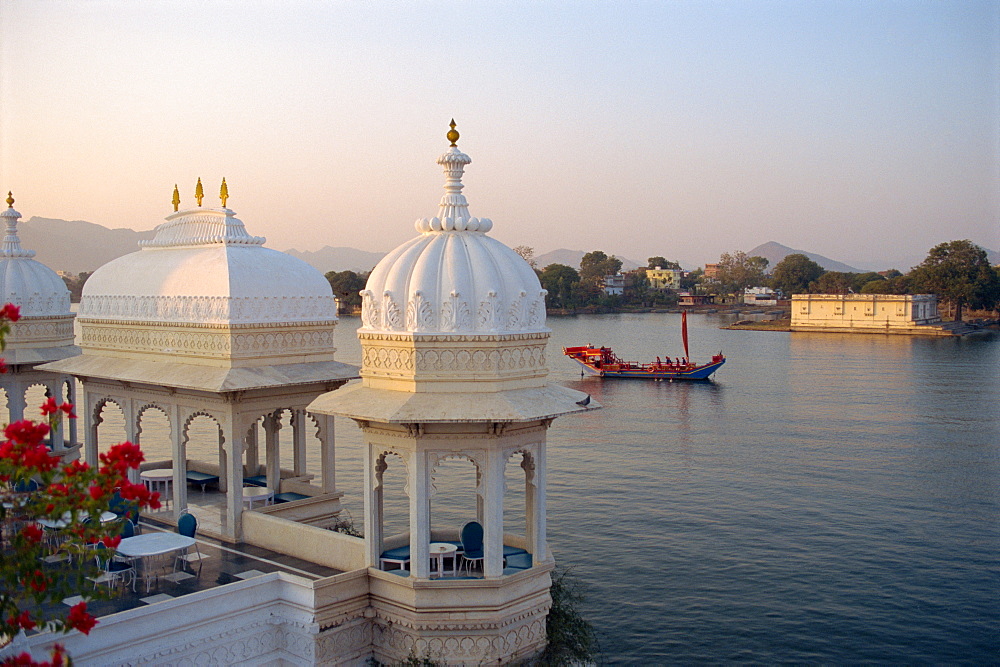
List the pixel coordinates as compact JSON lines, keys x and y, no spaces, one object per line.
{"x":373,"y":506}
{"x":16,"y":403}
{"x":493,"y":514}
{"x":328,"y":453}
{"x":253,"y":448}
{"x":231,"y":439}
{"x":91,"y":422}
{"x":535,"y":505}
{"x":71,"y":396}
{"x":299,"y":424}
{"x":272,"y":450}
{"x":178,"y":452}
{"x":56,"y":437}
{"x":420,"y":516}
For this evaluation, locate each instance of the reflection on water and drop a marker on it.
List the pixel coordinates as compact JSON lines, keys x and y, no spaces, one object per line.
{"x":830,"y":498}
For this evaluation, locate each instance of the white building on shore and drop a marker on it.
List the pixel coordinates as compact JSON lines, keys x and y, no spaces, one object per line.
{"x":866,"y":313}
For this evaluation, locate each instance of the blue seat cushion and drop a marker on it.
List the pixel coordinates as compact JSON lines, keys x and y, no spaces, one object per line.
{"x":512,"y":551}
{"x":288,"y":496}
{"x":519,"y":561}
{"x":256,"y":480}
{"x":399,"y":553}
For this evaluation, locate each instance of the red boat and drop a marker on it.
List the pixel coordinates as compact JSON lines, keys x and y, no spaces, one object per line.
{"x":603,"y":362}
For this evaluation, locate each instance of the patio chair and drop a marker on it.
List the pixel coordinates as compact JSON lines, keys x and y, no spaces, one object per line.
{"x":472,"y":545}
{"x":187,"y":525}
{"x":128,"y":528}
{"x":113,"y":568}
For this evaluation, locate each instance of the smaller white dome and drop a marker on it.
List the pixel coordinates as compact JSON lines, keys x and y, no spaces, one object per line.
{"x":453,"y":278}
{"x":35,"y":288}
{"x":202,"y":267}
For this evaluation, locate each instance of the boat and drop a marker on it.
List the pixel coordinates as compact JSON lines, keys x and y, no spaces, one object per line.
{"x":603,"y":362}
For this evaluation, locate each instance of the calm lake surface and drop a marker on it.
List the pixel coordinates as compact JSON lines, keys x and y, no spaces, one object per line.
{"x":829,"y":498}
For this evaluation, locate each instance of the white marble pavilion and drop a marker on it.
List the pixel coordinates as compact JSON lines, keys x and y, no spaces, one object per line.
{"x":43,"y":334}
{"x":205,"y":321}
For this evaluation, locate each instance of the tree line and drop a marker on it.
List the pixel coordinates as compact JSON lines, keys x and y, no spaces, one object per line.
{"x":958,"y":272}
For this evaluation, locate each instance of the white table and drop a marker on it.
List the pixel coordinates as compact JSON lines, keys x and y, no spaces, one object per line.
{"x":257,"y":493}
{"x":153,"y":544}
{"x":440,"y":551}
{"x":155,"y":479}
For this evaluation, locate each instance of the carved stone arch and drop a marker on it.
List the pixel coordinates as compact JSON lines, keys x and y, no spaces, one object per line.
{"x":25,"y":388}
{"x":201,"y":413}
{"x":141,"y":410}
{"x":441,"y":457}
{"x":381,"y":465}
{"x":99,"y":408}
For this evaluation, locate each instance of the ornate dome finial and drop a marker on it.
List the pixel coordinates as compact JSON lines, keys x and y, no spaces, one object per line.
{"x":176,"y":200}
{"x":10,"y":199}
{"x":224,"y":192}
{"x":199,"y":192}
{"x":453,"y":134}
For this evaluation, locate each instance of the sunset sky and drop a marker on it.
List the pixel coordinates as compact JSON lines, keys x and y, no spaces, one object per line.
{"x":864,"y":131}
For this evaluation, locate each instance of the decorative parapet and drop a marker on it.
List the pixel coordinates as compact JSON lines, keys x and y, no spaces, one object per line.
{"x":456,"y":313}
{"x":202,"y":227}
{"x":209,"y":309}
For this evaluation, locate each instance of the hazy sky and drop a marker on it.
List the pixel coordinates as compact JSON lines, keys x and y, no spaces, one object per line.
{"x":866,"y":131}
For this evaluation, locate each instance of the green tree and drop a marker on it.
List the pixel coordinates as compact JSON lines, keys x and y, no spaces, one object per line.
{"x":793,"y":274}
{"x":833,"y":282}
{"x":859,"y":280}
{"x":692,"y":280}
{"x":894,"y":285}
{"x":560,"y":281}
{"x":662,"y":262}
{"x":738,"y":271}
{"x":960,"y":273}
{"x":596,"y":265}
{"x":347,"y":286}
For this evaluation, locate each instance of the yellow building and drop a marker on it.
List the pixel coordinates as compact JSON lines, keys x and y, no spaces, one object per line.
{"x":867,"y":313}
{"x":664,"y":278}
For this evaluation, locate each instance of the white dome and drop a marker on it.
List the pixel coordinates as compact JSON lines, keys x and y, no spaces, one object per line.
{"x":453,"y":278}
{"x":27,"y":283}
{"x":202,"y":267}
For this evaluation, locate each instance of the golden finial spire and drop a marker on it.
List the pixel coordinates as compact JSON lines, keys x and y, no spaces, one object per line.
{"x":199,"y":192}
{"x":224,"y":192}
{"x":453,"y":134}
{"x":10,"y":199}
{"x":176,"y":201}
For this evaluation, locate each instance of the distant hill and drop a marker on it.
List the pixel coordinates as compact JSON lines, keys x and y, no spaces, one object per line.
{"x":75,"y":245}
{"x":329,"y":258}
{"x":775,"y":252}
{"x":573,"y":257}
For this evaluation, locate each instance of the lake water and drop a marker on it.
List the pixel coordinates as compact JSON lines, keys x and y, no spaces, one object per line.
{"x":829,"y":498}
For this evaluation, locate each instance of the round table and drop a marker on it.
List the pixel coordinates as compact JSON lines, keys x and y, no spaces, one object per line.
{"x":154,"y":479}
{"x":257,"y":493}
{"x":439,"y":551}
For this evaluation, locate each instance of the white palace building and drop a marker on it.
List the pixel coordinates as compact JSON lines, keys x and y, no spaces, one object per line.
{"x":203,"y":322}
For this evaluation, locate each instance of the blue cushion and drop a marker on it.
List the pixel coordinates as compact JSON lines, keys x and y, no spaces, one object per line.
{"x":256,"y":480}
{"x":519,"y":561}
{"x":288,"y":496}
{"x":473,"y":555}
{"x":399,"y":553}
{"x":512,"y":551}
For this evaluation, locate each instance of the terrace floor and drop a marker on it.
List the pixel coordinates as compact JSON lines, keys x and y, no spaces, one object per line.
{"x":221,"y":563}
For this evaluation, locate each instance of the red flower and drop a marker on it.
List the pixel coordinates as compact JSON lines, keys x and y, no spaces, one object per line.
{"x":95,"y":492}
{"x":22,"y":621}
{"x":3,"y":366}
{"x":26,"y":432}
{"x":37,"y":580}
{"x":79,"y":619}
{"x":10,"y":312}
{"x":32,"y":533}
{"x":49,"y":407}
{"x":68,"y":409}
{"x":111,"y":541}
